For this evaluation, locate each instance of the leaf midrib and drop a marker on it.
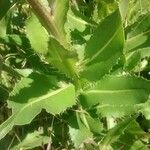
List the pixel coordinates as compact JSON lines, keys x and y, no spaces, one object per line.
{"x":15,"y":115}
{"x":113,"y":91}
{"x":138,"y":35}
{"x":141,"y":21}
{"x":42,"y":98}
{"x":104,"y":46}
{"x":81,"y":20}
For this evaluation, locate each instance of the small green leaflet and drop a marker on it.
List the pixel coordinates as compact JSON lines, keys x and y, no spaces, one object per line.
{"x":137,"y":8}
{"x":127,"y":137}
{"x":32,"y":140}
{"x":138,"y":36}
{"x":59,"y":57}
{"x":78,"y":130}
{"x":3,"y":27}
{"x":137,"y":44}
{"x":78,"y":28}
{"x":60,"y":14}
{"x":37,"y":35}
{"x":116,"y":96}
{"x":124,"y":8}
{"x":33,"y":94}
{"x":94,"y":124}
{"x":114,"y":133}
{"x":77,"y":21}
{"x":144,"y":109}
{"x":104,"y":48}
{"x":139,"y":145}
{"x":104,"y":8}
{"x":132,"y":60}
{"x":82,"y":127}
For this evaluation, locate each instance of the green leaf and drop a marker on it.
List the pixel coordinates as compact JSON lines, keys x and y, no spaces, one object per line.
{"x":94,"y":124}
{"x":137,"y":8}
{"x":37,"y":35}
{"x":141,"y":26}
{"x":78,"y":27}
{"x":85,"y":7}
{"x":124,"y":6}
{"x":78,"y":131}
{"x":3,"y":27}
{"x":116,"y":95}
{"x":76,"y":20}
{"x":138,"y":36}
{"x":60,"y":14}
{"x":145,"y":52}
{"x":104,"y":8}
{"x":59,"y":57}
{"x":32,"y":140}
{"x":131,"y":133}
{"x":114,"y":133}
{"x":144,"y":109}
{"x":135,"y":129}
{"x":139,"y":145}
{"x":82,"y":127}
{"x":132,"y":60}
{"x":104,"y":47}
{"x":137,"y":44}
{"x":33,"y":94}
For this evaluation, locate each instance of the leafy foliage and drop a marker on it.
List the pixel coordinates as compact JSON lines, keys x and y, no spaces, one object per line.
{"x":74,"y":74}
{"x":32,"y":140}
{"x":104,"y":39}
{"x":116,"y":96}
{"x":28,"y":99}
{"x":42,"y":46}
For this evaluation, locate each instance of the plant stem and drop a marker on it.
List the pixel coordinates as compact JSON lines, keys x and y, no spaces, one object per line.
{"x":45,"y":17}
{"x":47,"y":21}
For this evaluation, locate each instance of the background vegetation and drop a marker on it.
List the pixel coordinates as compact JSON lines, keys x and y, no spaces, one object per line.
{"x":74,"y":74}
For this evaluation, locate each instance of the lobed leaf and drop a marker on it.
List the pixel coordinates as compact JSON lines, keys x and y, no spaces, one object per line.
{"x":128,"y":136}
{"x":144,"y":109}
{"x":116,"y":96}
{"x":78,"y":27}
{"x":132,"y":60}
{"x":32,"y":140}
{"x":139,"y":145}
{"x":104,"y":47}
{"x":104,"y":8}
{"x":59,"y":57}
{"x":124,"y":8}
{"x":114,"y":133}
{"x":60,"y":14}
{"x":3,"y":27}
{"x":137,"y":44}
{"x":137,"y":8}
{"x":33,"y":94}
{"x":37,"y":35}
{"x":138,"y":37}
{"x":78,"y":131}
